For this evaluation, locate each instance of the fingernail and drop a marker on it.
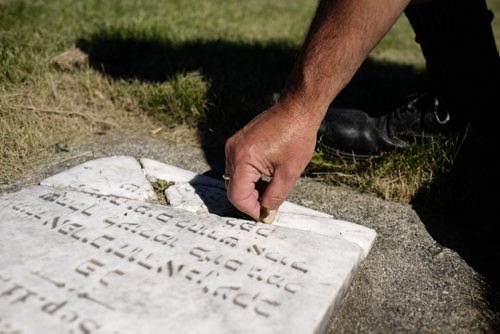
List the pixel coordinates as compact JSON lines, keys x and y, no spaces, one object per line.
{"x":266,"y":215}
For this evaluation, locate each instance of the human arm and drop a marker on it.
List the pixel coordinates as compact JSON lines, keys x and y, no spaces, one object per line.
{"x":280,"y":141}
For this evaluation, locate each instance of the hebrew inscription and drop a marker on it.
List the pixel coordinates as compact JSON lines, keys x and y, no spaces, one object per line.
{"x":83,"y":262}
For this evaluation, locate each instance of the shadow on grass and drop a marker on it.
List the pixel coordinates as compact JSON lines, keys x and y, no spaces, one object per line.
{"x":244,"y":78}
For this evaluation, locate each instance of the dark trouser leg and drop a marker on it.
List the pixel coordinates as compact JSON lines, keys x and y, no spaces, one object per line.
{"x":458,"y":44}
{"x":463,"y":63}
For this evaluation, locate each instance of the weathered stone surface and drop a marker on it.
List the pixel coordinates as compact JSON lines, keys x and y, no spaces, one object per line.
{"x":97,"y":260}
{"x":120,"y":176}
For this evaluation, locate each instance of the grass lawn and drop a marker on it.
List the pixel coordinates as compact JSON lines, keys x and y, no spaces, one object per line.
{"x":71,"y":70}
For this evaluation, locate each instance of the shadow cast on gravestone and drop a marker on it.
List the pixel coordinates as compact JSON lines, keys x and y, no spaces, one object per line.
{"x":460,"y":210}
{"x":213,"y":194}
{"x":244,"y":78}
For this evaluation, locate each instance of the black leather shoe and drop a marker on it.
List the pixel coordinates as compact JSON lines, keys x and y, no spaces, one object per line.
{"x":354,"y":134}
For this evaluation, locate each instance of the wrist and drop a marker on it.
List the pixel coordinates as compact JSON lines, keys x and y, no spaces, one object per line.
{"x":299,"y":109}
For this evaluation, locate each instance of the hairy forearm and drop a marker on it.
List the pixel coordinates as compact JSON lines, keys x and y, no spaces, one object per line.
{"x":341,"y":36}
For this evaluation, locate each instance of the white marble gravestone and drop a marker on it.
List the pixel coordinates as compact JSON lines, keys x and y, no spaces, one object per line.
{"x":90,"y":250}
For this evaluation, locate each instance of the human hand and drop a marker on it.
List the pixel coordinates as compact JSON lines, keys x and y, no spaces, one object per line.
{"x":278,"y":143}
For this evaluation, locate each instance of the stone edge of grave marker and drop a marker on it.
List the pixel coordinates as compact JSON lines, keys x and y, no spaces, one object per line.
{"x":290,"y":215}
{"x":120,"y":176}
{"x":362,"y":236}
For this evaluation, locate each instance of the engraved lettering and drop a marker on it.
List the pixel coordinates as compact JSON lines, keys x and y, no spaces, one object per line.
{"x":275,"y":280}
{"x":254,"y":273}
{"x":129,"y":226}
{"x":104,"y":279}
{"x":212,"y":235}
{"x":142,"y":209}
{"x":257,"y":249}
{"x":88,"y":267}
{"x":230,"y":223}
{"x":231,"y":241}
{"x":11,"y":291}
{"x":165,"y":239}
{"x":247,"y":226}
{"x":145,"y":264}
{"x":210,"y":273}
{"x":163,"y":217}
{"x":189,"y":275}
{"x":145,"y":235}
{"x":299,"y":266}
{"x":130,"y":187}
{"x":132,"y":252}
{"x":115,"y":200}
{"x":61,"y":203}
{"x":193,"y":229}
{"x":98,"y":302}
{"x":47,"y":279}
{"x":172,"y":269}
{"x":218,"y":259}
{"x":88,"y":326}
{"x":260,"y":309}
{"x":78,"y":237}
{"x":52,"y":307}
{"x":101,"y":241}
{"x":69,"y":228}
{"x":197,"y":252}
{"x":224,"y":291}
{"x":265,"y":231}
{"x":86,"y":211}
{"x":69,"y":316}
{"x":244,"y":299}
{"x":55,"y":222}
{"x":109,"y":221}
{"x":50,"y":197}
{"x":233,"y":264}
{"x":270,"y":256}
{"x":292,"y":287}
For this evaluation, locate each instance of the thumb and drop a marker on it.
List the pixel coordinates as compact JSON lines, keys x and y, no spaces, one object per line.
{"x":274,"y":195}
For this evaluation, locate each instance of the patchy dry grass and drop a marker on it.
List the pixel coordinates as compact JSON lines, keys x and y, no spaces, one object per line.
{"x":392,"y":176}
{"x":59,"y":111}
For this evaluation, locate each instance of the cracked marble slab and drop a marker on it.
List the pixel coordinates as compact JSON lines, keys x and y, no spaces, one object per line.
{"x":87,"y":252}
